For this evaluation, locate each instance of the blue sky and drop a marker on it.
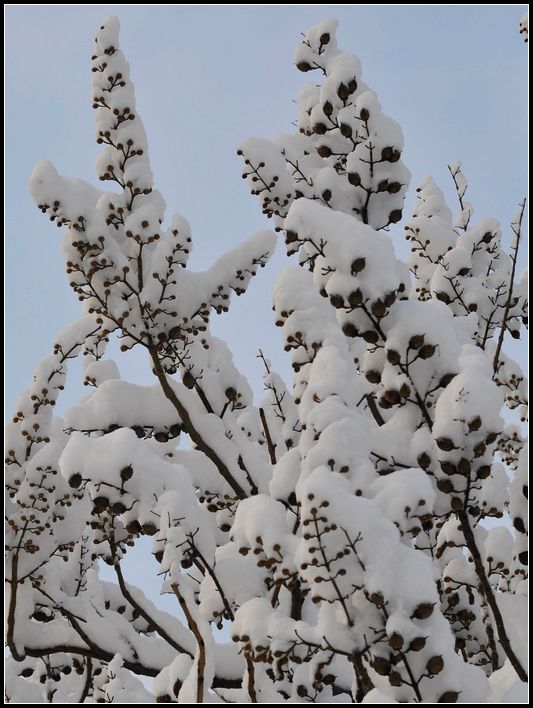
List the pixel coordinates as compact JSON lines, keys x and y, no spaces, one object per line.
{"x":454,"y":77}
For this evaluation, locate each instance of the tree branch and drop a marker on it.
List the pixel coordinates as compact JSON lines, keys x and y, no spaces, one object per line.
{"x":486,"y":590}
{"x":189,"y":426}
{"x":201,"y":658}
{"x":518,"y":234}
{"x":270,"y":444}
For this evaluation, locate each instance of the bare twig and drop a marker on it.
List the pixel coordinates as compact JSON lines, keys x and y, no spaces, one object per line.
{"x":518,"y":234}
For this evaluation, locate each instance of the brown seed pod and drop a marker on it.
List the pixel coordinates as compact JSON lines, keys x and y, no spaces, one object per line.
{"x":392,"y":396}
{"x":396,"y":641}
{"x":424,"y":460}
{"x":117,"y":508}
{"x":370,"y":336}
{"x":446,"y":379}
{"x":443,"y":297}
{"x":133,"y":527}
{"x":463,"y":467}
{"x":373,"y":376}
{"x":377,"y":598}
{"x":417,"y":644}
{"x":395,"y":216}
{"x":427,"y":351}
{"x":393,"y":357}
{"x":381,"y":665}
{"x":480,"y":449}
{"x":126,"y":473}
{"x":445,"y":485}
{"x":424,"y":610}
{"x":378,"y":309}
{"x":100,"y":504}
{"x":346,"y":130}
{"x":449,"y":697}
{"x":336,"y":300}
{"x":188,"y":380}
{"x":395,"y":679}
{"x":291,"y":236}
{"x":343,"y":92}
{"x":75,"y":481}
{"x":456,"y":503}
{"x":349,"y":329}
{"x":435,"y":665}
{"x":405,"y":391}
{"x":358,"y":265}
{"x":416,"y":341}
{"x":230,"y":393}
{"x":355,"y":298}
{"x":483,"y":472}
{"x":519,"y":524}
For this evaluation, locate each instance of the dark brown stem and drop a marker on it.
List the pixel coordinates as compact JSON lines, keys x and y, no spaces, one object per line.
{"x":200,"y":391}
{"x":200,"y":659}
{"x":270,"y":444}
{"x":144,"y":614}
{"x":94,"y":652}
{"x":414,"y":683}
{"x":297,"y":601}
{"x":140,"y":279}
{"x":364,"y":683}
{"x":88,"y":680}
{"x":495,"y":664}
{"x":327,"y":566}
{"x":518,"y":234}
{"x":459,"y":195}
{"x":488,"y":594}
{"x":371,"y":401}
{"x":405,"y":370}
{"x":251,"y":679}
{"x":195,"y":436}
{"x":214,"y":578}
{"x":10,"y":637}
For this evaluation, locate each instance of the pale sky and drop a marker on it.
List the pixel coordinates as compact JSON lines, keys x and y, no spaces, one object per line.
{"x":453,"y":76}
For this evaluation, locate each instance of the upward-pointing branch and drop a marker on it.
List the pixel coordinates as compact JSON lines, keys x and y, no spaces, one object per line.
{"x":518,"y":234}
